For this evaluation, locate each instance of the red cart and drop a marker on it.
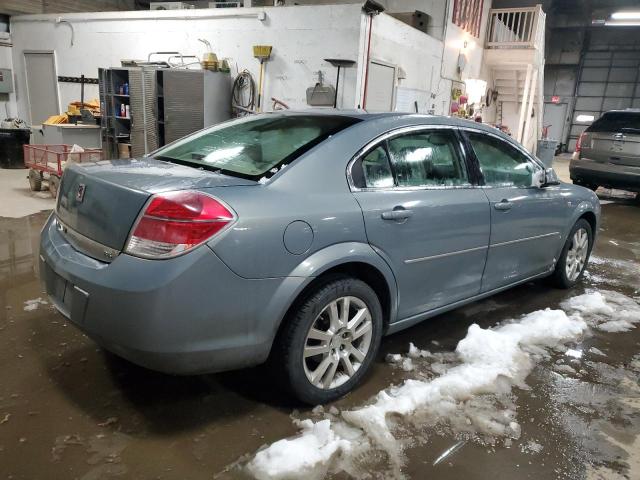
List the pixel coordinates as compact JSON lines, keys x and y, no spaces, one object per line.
{"x":51,"y":160}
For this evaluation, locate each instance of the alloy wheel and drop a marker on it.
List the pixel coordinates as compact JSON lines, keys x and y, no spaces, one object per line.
{"x":337,"y":342}
{"x":577,"y":254}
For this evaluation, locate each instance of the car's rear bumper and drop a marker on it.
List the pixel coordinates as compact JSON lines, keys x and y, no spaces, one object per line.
{"x":608,"y":175}
{"x":185,"y":315}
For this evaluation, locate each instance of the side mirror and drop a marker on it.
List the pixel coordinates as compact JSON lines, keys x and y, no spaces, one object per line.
{"x":538,"y":179}
{"x":544,"y":178}
{"x":551,"y":177}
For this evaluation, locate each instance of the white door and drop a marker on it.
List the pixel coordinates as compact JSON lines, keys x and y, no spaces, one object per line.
{"x":42,"y":86}
{"x":555,"y":114}
{"x":381,"y":85}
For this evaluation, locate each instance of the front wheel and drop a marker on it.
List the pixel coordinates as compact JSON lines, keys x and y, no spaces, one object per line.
{"x":328,"y":343}
{"x":575,"y":255}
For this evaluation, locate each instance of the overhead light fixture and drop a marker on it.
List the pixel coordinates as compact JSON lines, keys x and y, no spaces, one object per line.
{"x":610,"y":23}
{"x":626,"y":15}
{"x":585,"y":118}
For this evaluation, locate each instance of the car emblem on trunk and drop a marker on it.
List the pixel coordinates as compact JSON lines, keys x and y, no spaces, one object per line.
{"x":80,"y":193}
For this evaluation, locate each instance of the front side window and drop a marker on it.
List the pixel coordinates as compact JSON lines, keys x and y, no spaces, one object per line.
{"x":500,"y":163}
{"x":254,"y":147}
{"x":427,"y":159}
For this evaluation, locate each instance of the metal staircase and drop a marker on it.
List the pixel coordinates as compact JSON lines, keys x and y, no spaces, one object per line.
{"x":515,"y":54}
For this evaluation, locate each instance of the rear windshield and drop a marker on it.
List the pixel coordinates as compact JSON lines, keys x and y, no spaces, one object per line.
{"x":254,"y":147}
{"x":617,"y":122}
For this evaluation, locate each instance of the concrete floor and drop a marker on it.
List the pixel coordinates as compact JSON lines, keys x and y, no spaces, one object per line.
{"x":70,"y":410}
{"x":16,"y":200}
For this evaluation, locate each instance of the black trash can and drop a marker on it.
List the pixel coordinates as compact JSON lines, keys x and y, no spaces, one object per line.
{"x":11,"y":142}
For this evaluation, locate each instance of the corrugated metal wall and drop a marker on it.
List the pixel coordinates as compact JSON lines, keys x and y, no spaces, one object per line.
{"x":590,"y":70}
{"x":15,"y":7}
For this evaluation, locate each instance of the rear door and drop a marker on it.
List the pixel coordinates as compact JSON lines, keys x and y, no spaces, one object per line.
{"x":614,"y":138}
{"x":424,"y":215}
{"x":526,"y":221}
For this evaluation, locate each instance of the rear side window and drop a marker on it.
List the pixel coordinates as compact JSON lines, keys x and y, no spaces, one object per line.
{"x":500,"y":163}
{"x":427,"y":159}
{"x":376,"y":170}
{"x":617,"y":122}
{"x":254,"y":147}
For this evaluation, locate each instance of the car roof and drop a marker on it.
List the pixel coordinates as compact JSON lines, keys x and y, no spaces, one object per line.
{"x":370,"y":116}
{"x":404,"y":118}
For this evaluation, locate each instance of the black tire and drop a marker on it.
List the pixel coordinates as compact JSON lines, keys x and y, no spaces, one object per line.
{"x":287,"y":361}
{"x":35,"y":180}
{"x":54,"y":183}
{"x":559,"y":277}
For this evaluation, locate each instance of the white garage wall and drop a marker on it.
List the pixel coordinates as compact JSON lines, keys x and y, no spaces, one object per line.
{"x":430,"y":64}
{"x":419,"y":55}
{"x":301,"y":38}
{"x":7,"y":101}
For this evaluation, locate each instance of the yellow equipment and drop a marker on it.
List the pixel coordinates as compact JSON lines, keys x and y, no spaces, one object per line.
{"x":262,"y":53}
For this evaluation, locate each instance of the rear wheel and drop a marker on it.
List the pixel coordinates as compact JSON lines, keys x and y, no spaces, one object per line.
{"x":54,"y":183}
{"x":35,"y":180}
{"x":328,"y":344}
{"x":575,"y":255}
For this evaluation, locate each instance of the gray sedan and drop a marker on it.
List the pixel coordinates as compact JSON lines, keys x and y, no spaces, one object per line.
{"x":302,"y":238}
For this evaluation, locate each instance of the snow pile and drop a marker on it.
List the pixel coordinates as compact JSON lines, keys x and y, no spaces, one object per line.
{"x":469,"y":393}
{"x":492,"y":361}
{"x":605,"y":310}
{"x":308,"y":455}
{"x":33,"y":304}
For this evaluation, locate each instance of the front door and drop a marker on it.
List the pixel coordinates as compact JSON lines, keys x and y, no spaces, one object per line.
{"x":42,"y":86}
{"x":424,"y":216}
{"x":526,"y":222}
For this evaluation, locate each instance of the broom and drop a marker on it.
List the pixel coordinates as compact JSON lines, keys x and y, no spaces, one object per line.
{"x":262,"y":53}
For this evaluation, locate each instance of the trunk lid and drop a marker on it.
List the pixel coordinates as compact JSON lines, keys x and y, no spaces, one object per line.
{"x":101,"y":201}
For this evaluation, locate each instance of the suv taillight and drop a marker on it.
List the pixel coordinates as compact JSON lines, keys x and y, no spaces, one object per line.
{"x":175,"y":222}
{"x":579,"y":142}
{"x":584,"y":141}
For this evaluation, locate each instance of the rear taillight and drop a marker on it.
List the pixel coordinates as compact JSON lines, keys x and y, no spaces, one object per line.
{"x":175,"y":222}
{"x":579,"y":142}
{"x":584,"y":141}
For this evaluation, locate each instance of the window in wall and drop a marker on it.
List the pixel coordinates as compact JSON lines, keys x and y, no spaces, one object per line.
{"x":427,"y":159}
{"x":467,"y":14}
{"x":500,"y":163}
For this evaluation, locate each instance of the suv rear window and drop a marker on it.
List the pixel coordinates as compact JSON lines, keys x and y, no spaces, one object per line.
{"x":616,"y":122}
{"x":254,"y":147}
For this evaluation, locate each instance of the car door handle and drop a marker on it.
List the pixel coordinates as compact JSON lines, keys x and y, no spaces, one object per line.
{"x":503,"y":205}
{"x":400,"y":214}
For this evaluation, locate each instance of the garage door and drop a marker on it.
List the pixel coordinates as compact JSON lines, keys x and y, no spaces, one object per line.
{"x":608,"y":80}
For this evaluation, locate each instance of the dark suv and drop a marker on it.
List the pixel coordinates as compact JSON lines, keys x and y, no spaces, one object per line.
{"x":609,"y":152}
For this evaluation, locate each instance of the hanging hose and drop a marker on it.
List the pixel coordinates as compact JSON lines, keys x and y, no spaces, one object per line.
{"x":243,"y":82}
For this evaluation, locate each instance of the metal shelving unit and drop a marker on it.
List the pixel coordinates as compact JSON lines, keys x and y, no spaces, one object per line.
{"x":164,"y":104}
{"x":132,"y":135}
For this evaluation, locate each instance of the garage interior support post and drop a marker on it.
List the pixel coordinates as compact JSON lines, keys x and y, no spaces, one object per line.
{"x":523,"y":103}
{"x":527,"y":135}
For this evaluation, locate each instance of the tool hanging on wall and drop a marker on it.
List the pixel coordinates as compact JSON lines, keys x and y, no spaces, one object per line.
{"x":340,"y":63}
{"x":262,"y":53}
